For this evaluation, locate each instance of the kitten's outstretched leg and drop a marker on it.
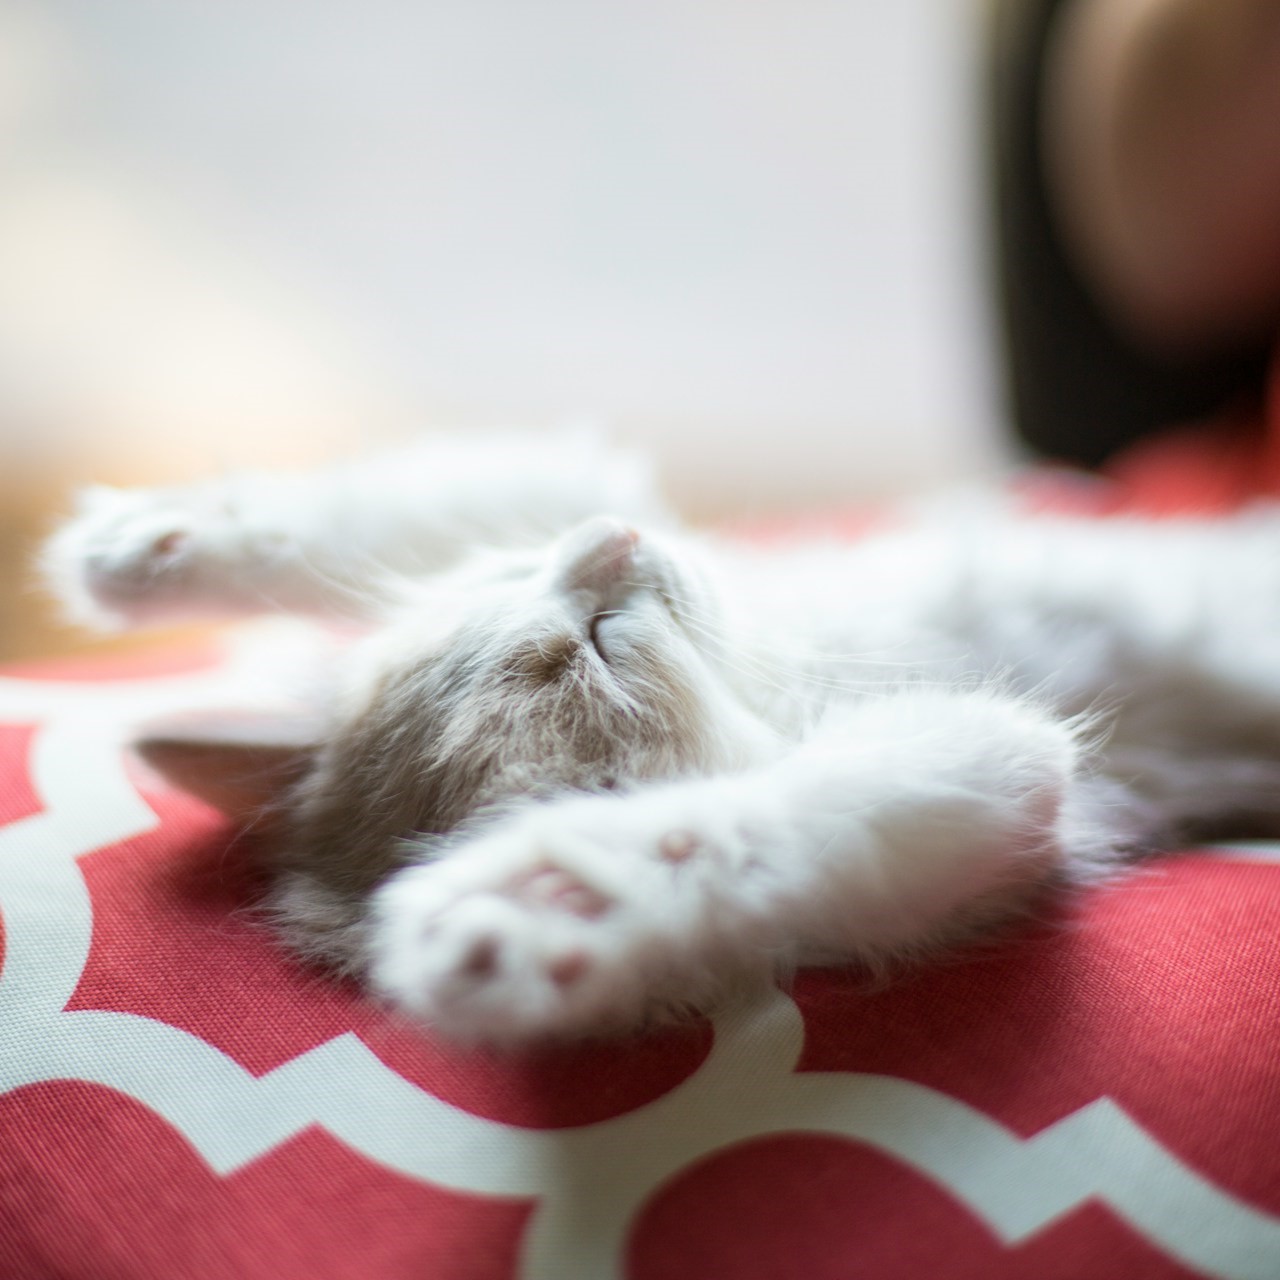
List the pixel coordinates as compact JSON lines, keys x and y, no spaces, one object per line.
{"x":328,"y":542}
{"x":888,"y":831}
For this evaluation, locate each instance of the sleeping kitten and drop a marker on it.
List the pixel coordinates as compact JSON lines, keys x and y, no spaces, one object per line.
{"x":584,"y":768}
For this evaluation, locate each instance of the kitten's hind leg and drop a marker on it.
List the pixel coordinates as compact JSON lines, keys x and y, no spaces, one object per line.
{"x":913,"y":818}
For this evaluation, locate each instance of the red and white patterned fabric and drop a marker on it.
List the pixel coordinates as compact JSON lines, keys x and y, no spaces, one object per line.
{"x":1097,"y":1096}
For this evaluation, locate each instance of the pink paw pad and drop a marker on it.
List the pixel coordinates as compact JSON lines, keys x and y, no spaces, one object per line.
{"x":565,"y":971}
{"x":481,"y":960}
{"x":555,"y":887}
{"x":168,"y":545}
{"x":678,"y":846}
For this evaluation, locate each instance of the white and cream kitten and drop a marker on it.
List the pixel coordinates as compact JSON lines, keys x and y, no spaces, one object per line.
{"x":584,"y":768}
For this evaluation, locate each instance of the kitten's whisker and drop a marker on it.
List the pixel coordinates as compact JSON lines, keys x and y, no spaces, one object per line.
{"x":754,"y":661}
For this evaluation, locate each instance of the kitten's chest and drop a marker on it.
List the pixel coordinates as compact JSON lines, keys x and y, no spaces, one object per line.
{"x":822,"y":627}
{"x":844,"y":621}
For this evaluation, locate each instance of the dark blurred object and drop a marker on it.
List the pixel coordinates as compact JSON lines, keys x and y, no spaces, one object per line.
{"x":1079,"y":388}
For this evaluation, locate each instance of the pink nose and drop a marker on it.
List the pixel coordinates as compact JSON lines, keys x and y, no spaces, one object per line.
{"x":598,"y":554}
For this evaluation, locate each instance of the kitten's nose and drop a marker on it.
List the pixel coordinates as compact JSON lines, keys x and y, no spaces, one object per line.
{"x":598,"y":555}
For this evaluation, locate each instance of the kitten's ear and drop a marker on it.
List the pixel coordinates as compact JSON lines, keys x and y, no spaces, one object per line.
{"x":240,"y":762}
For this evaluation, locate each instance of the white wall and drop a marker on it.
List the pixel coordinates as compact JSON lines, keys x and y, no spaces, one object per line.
{"x":743,"y":232}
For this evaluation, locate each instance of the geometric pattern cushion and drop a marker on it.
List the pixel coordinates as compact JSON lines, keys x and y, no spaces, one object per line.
{"x":1095,"y":1096}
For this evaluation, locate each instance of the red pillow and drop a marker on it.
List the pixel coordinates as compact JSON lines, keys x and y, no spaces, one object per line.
{"x":1098,"y":1096}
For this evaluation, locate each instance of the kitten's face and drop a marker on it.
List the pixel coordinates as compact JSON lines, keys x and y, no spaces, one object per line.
{"x":588,"y":666}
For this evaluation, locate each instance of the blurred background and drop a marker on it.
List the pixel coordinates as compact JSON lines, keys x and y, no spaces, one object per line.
{"x":746,"y":235}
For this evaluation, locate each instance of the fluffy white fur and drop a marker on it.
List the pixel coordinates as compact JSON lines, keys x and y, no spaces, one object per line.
{"x":586,"y":768}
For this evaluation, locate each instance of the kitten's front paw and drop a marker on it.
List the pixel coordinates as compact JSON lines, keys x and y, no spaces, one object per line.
{"x":542,"y":928}
{"x":136,"y":556}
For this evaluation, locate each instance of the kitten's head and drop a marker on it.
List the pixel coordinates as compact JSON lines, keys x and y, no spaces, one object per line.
{"x":591,"y":665}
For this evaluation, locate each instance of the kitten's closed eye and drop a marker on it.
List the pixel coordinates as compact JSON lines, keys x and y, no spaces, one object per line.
{"x":597,"y":632}
{"x":606,"y":631}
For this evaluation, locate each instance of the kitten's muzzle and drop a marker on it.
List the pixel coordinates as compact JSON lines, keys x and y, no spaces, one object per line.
{"x":598,"y":556}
